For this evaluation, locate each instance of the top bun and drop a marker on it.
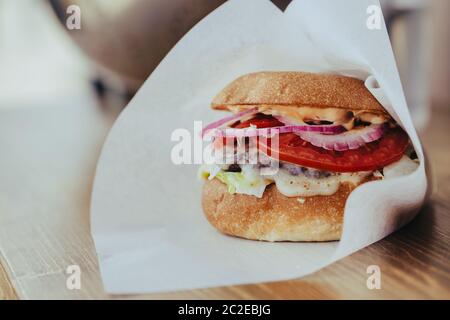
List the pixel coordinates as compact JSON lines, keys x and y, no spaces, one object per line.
{"x":297,"y":89}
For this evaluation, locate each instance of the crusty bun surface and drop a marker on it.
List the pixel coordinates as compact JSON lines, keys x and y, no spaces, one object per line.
{"x":297,"y":89}
{"x":275,"y":217}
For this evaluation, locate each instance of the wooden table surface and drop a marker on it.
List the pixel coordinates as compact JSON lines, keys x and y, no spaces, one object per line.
{"x":47,"y":162}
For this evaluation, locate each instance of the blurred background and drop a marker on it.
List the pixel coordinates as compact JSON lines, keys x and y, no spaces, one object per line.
{"x":61,"y":90}
{"x":121,"y":41}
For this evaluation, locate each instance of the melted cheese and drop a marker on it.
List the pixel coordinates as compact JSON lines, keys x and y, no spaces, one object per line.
{"x":403,"y":167}
{"x":371,"y":117}
{"x":339,"y":116}
{"x":302,"y":186}
{"x":251,"y":182}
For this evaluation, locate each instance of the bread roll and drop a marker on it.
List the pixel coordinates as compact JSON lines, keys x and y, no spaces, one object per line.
{"x":297,"y":89}
{"x":275,"y":217}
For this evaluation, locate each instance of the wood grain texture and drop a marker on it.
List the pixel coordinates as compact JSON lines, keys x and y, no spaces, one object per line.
{"x":47,"y":165}
{"x":6,"y":289}
{"x":46,"y":171}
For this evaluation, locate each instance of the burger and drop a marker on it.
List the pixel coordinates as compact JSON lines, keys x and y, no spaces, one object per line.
{"x":331,"y":136}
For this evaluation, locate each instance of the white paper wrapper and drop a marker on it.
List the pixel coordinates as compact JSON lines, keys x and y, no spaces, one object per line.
{"x":147,"y":222}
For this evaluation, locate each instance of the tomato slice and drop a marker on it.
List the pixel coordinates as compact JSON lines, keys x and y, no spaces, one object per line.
{"x":291,"y":148}
{"x":260,"y":121}
{"x":372,"y":156}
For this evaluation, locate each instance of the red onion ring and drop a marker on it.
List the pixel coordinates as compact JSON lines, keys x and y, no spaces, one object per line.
{"x":349,"y":140}
{"x":253,"y":132}
{"x":226,"y":120}
{"x":246,"y":132}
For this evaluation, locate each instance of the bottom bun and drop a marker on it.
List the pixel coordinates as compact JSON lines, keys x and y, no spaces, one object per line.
{"x":275,"y":217}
